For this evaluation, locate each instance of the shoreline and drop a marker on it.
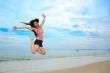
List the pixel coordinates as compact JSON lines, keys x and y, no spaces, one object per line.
{"x":48,"y":65}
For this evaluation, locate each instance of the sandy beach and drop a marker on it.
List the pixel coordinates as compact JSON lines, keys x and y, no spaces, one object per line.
{"x":58,"y":65}
{"x":100,"y":67}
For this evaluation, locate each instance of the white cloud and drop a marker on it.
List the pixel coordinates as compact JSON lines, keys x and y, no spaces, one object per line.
{"x":59,"y":16}
{"x":71,"y":43}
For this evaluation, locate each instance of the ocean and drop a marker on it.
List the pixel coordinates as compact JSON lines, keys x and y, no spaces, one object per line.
{"x":18,"y":48}
{"x":11,"y":55}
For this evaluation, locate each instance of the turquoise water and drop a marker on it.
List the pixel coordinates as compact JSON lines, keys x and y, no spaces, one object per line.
{"x":6,"y":55}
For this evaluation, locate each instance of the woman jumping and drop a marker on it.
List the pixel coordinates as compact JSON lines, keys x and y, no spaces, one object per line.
{"x":36,"y":27}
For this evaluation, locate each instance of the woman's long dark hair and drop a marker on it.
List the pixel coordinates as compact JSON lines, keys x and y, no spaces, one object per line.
{"x":31,"y":23}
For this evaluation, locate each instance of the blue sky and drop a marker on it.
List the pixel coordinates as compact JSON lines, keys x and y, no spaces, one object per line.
{"x":70,"y":24}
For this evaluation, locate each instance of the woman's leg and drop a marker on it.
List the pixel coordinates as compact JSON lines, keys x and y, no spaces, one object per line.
{"x":36,"y":48}
{"x":33,"y":47}
{"x":42,"y":50}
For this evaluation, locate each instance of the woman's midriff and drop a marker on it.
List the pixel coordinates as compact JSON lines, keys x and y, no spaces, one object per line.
{"x":39,"y":32}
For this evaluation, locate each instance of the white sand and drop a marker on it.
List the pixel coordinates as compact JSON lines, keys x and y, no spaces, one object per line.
{"x":37,"y":66}
{"x":99,"y":67}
